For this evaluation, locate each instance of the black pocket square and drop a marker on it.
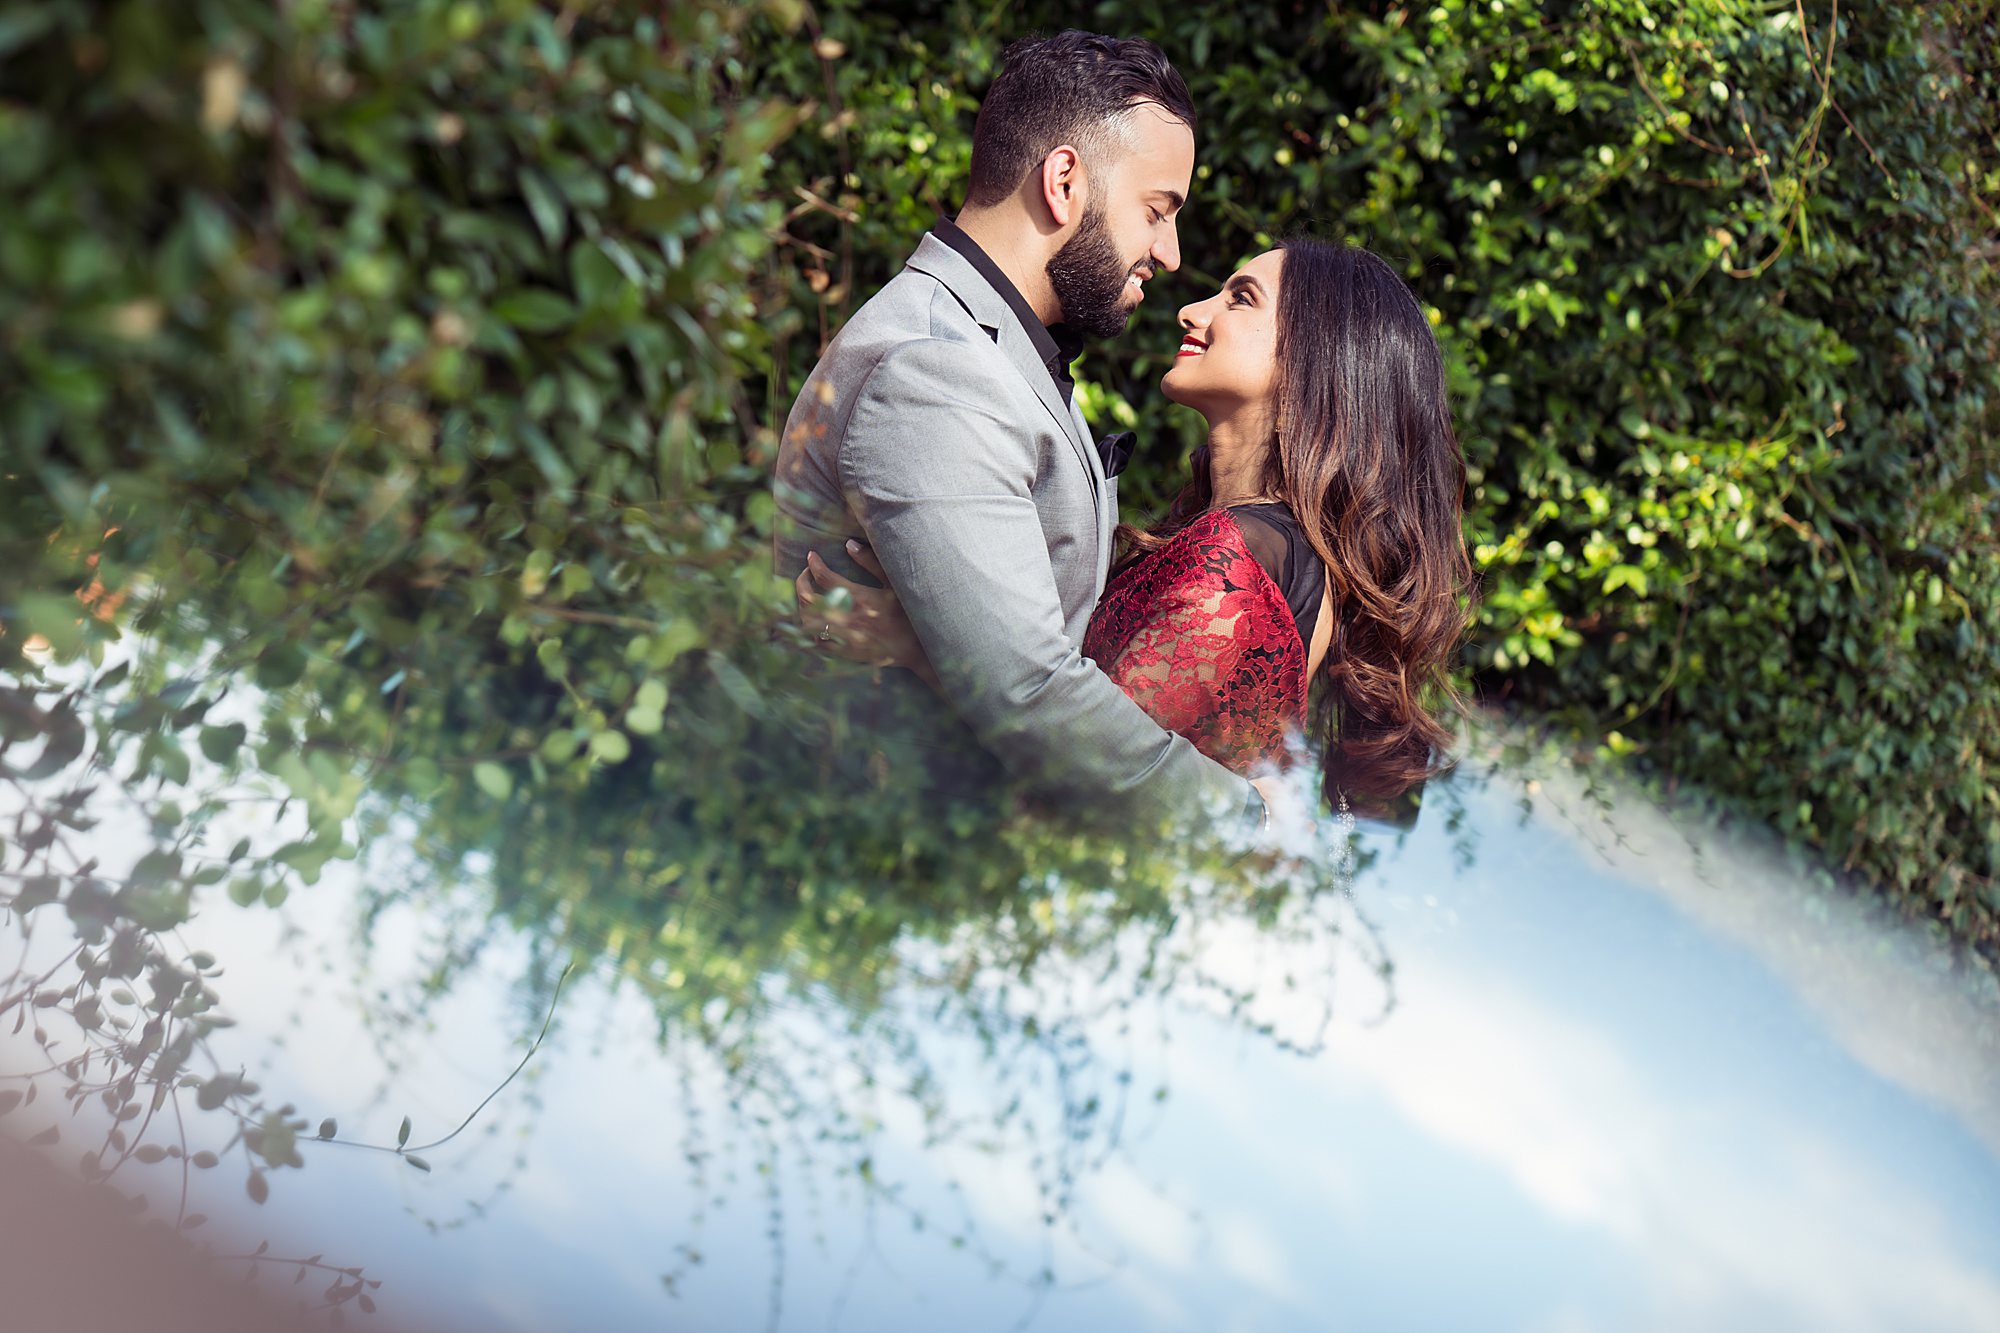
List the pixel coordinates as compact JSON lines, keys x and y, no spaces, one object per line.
{"x":1116,"y":451}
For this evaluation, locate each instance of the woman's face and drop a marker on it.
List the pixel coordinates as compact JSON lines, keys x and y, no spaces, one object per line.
{"x":1229,"y":345}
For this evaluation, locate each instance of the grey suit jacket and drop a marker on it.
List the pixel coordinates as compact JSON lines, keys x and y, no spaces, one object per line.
{"x":931,"y":430}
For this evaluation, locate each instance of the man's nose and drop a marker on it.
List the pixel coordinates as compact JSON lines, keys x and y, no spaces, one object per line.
{"x":1167,"y":250}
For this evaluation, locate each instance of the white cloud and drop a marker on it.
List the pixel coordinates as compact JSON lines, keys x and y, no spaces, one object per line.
{"x":1727,"y":1203}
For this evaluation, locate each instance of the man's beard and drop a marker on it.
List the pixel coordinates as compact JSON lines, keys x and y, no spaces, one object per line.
{"x":1088,"y":278}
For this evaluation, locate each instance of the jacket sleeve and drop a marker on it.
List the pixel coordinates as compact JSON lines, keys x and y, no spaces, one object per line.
{"x":942,"y":484}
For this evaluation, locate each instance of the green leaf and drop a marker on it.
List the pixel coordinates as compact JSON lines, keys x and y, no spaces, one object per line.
{"x":175,"y":766}
{"x":176,"y":693}
{"x":593,"y":274}
{"x":36,"y":891}
{"x":535,"y":310}
{"x":736,"y":685}
{"x":215,"y":1091}
{"x":279,"y":1140}
{"x":156,"y":867}
{"x":545,"y":205}
{"x":493,"y":779}
{"x":280,"y":666}
{"x":1624,"y":576}
{"x":63,"y":747}
{"x":220,"y":744}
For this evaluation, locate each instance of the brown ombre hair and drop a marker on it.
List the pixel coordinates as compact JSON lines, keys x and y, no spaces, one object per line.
{"x":1366,"y":459}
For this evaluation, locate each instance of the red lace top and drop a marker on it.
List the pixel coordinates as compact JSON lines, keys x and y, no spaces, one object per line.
{"x":1203,"y":638}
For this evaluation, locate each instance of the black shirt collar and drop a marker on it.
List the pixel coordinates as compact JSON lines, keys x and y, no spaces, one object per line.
{"x":1056,"y":345}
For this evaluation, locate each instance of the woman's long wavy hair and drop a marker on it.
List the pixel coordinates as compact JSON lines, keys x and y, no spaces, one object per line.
{"x":1368,"y":463}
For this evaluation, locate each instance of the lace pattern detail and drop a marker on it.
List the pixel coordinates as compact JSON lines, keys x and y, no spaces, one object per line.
{"x":1200,"y":636}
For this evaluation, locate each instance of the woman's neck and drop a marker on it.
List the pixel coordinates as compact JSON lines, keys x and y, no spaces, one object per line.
{"x":1239,"y":452}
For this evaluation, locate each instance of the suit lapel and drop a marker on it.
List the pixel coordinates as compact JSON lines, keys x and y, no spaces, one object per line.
{"x":994,"y":315}
{"x":1107,"y":504}
{"x":1021,"y":353}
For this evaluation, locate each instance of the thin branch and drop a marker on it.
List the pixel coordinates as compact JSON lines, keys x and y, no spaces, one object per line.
{"x":405,"y":1151}
{"x":1667,"y":114}
{"x":554,"y":1000}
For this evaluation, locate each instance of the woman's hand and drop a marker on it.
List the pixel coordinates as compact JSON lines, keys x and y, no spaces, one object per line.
{"x":870,"y":628}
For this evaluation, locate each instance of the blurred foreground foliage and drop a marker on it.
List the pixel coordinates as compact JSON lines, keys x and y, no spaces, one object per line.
{"x":416,"y":364}
{"x":380,"y":394}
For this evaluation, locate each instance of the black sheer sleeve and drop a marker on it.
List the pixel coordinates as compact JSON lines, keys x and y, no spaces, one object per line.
{"x":1279,"y":545}
{"x":1266,"y":539}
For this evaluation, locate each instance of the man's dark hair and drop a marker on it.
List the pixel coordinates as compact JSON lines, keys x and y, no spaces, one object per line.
{"x":1075,"y":87}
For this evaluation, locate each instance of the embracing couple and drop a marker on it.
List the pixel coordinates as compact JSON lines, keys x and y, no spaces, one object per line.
{"x":1308,"y":584}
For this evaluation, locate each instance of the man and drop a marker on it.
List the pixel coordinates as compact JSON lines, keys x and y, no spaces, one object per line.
{"x":940,"y":429}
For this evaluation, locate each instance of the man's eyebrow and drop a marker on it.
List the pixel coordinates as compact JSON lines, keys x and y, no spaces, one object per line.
{"x":1173,"y":197}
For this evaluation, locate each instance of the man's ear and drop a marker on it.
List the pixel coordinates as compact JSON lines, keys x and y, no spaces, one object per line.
{"x":1063,"y":184}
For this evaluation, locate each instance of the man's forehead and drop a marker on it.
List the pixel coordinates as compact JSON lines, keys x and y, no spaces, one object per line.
{"x":1162,"y":156}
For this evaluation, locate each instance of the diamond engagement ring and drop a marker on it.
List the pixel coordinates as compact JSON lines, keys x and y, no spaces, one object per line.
{"x":826,"y":633}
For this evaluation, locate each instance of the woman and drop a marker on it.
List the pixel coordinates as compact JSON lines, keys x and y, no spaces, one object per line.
{"x":1311,"y":579}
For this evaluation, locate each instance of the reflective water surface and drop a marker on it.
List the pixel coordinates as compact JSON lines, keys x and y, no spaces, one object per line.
{"x":1559,"y":1060}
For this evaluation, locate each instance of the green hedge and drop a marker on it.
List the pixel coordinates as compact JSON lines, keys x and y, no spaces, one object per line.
{"x":1718,"y":293}
{"x":425,"y":360}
